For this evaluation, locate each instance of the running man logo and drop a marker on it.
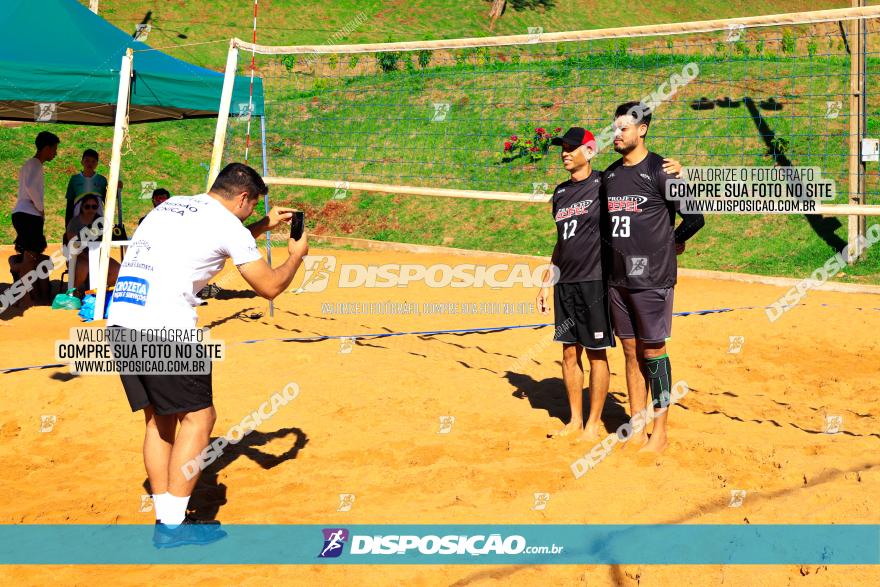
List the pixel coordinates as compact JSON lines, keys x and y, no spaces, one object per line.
{"x":47,"y":423}
{"x":833,"y":108}
{"x":734,"y":32}
{"x":446,"y":423}
{"x":833,"y":424}
{"x":441,"y":111}
{"x":539,"y":191}
{"x":737,"y":496}
{"x":341,"y":190}
{"x":146,"y":504}
{"x":45,"y":112}
{"x":736,"y":344}
{"x":346,"y":501}
{"x":142,"y":32}
{"x":637,"y":266}
{"x":541,"y":500}
{"x":334,"y":542}
{"x":245,"y":111}
{"x":147,"y":188}
{"x":317,"y":275}
{"x":535,"y":33}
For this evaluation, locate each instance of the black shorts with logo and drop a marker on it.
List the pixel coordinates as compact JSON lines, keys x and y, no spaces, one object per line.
{"x":582,"y":314}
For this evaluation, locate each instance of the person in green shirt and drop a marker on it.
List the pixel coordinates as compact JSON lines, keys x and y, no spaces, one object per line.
{"x":87,"y":181}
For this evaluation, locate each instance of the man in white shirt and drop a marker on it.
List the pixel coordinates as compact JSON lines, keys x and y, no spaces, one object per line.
{"x":28,"y":216}
{"x":179,"y":247}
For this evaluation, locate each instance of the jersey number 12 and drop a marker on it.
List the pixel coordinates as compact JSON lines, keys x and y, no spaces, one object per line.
{"x":566,"y":233}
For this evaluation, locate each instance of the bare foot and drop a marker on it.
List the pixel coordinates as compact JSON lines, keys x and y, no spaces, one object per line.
{"x":567,"y":430}
{"x":593,"y":433}
{"x":636,"y":441}
{"x":656,"y":444}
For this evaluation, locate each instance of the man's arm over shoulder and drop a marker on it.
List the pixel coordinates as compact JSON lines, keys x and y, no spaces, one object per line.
{"x":690,"y":223}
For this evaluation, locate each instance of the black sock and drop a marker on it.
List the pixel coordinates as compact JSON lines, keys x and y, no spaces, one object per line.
{"x":659,"y":375}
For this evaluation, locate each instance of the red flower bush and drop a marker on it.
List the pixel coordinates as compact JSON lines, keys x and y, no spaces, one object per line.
{"x":533,"y":148}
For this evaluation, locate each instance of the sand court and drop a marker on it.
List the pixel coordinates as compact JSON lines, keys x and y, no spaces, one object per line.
{"x":452,"y":428}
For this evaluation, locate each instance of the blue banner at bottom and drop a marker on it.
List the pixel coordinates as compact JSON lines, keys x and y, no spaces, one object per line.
{"x":442,"y":544}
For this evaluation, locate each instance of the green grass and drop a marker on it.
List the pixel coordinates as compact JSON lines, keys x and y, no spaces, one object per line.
{"x":346,"y":127}
{"x":491,"y":99}
{"x":292,"y":22}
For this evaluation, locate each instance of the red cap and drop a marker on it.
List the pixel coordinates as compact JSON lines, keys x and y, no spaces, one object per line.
{"x":575,"y":137}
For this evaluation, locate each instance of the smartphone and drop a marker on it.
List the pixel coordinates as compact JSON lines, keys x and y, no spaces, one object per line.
{"x":297,"y":224}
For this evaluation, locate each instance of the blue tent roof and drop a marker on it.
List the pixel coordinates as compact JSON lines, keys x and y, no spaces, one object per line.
{"x":58,"y":51}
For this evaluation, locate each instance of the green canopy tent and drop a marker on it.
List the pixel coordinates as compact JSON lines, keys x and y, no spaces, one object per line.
{"x":58,"y":52}
{"x":60,"y":62}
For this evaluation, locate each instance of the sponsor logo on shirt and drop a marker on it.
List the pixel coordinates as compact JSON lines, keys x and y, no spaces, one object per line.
{"x":626,"y":203}
{"x":179,"y":208}
{"x":576,"y":209}
{"x":131,"y":290}
{"x":645,"y":175}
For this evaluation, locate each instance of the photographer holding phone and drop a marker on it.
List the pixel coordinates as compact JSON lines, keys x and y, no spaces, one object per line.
{"x":178,"y":248}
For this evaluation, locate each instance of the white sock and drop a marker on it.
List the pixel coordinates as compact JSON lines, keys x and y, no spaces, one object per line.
{"x":174,"y":509}
{"x":159,"y":504}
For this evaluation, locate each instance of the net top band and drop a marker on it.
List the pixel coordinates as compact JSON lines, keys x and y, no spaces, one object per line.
{"x":678,"y":28}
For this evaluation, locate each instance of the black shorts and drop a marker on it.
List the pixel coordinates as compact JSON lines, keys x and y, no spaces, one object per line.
{"x":645,"y":314}
{"x":582,"y":315}
{"x":168,"y":394}
{"x":29,"y":233}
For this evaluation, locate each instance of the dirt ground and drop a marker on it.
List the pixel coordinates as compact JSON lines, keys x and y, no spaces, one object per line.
{"x":367,"y":423}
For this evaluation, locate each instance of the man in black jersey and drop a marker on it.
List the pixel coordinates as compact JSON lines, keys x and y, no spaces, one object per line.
{"x":643,"y":265}
{"x":580,"y":297}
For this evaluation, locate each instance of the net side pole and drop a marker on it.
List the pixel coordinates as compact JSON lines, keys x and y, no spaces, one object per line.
{"x":223,"y":114}
{"x":266,"y":203}
{"x":120,"y":129}
{"x":856,"y":224}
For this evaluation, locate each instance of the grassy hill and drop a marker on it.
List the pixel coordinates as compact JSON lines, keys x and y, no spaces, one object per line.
{"x":173,"y":154}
